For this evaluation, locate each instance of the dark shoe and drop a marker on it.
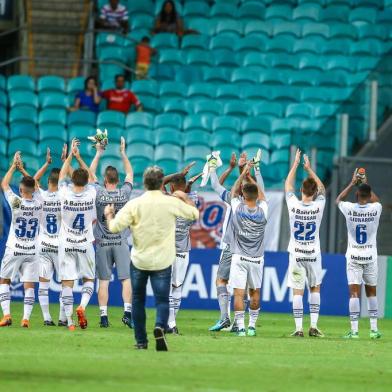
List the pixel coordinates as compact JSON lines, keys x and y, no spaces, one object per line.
{"x":127,"y":319}
{"x":104,"y":323}
{"x":297,"y":334}
{"x":160,"y":339}
{"x":62,"y":323}
{"x":49,"y":323}
{"x":315,"y":333}
{"x":234,"y":328}
{"x":173,"y":331}
{"x":141,"y":346}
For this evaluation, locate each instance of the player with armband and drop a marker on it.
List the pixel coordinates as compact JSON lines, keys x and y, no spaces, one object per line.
{"x":21,"y":253}
{"x":362,"y":220}
{"x":76,"y":251}
{"x":305,"y":217}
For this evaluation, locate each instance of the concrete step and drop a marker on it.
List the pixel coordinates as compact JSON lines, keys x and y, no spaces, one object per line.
{"x":60,"y":5}
{"x":54,"y":39}
{"x":49,"y":19}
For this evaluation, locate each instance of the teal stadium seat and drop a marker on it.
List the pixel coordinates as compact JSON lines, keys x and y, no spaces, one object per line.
{"x":372,"y":31}
{"x":201,"y":91}
{"x":172,"y":89}
{"x":255,"y":140}
{"x":285,"y":94}
{"x":75,"y":85}
{"x":169,"y":166}
{"x":228,"y":124}
{"x":338,"y":46}
{"x":145,"y":87}
{"x":315,"y":30}
{"x":222,"y":10}
{"x":22,"y":98}
{"x":53,"y":100}
{"x":313,"y":45}
{"x":168,"y":152}
{"x":342,"y":30}
{"x":193,"y":138}
{"x":3,"y":152}
{"x":255,"y":59}
{"x":237,"y":108}
{"x":189,"y":74}
{"x":335,"y":13}
{"x":51,"y":84}
{"x":24,"y":145}
{"x":311,"y":62}
{"x":323,"y":112}
{"x":224,"y":58}
{"x":196,"y":153}
{"x":256,"y":125}
{"x":140,"y":7}
{"x":159,"y":3}
{"x":139,"y":120}
{"x":195,"y":9}
{"x":82,"y":117}
{"x":256,"y":92}
{"x":307,"y":12}
{"x":168,"y":136}
{"x":113,"y":53}
{"x":280,"y":141}
{"x":230,"y":27}
{"x":23,"y":115}
{"x":227,"y":91}
{"x":249,"y":43}
{"x":176,"y":106}
{"x":367,"y":47}
{"x":216,"y":75}
{"x":308,"y":78}
{"x":244,"y":75}
{"x":332,"y":79}
{"x":279,"y":13}
{"x":226,"y":152}
{"x":197,"y":122}
{"x":139,"y":135}
{"x":80,"y":131}
{"x":54,"y":144}
{"x":251,"y":10}
{"x":110,"y":119}
{"x":140,"y":150}
{"x":201,"y":24}
{"x":362,"y":15}
{"x":193,"y":41}
{"x":369,"y":3}
{"x":223,"y":139}
{"x":151,"y":104}
{"x":24,"y":131}
{"x":20,"y":82}
{"x":280,"y":45}
{"x":299,"y":111}
{"x":165,"y":41}
{"x":49,"y":132}
{"x":171,"y":57}
{"x":3,"y":114}
{"x":283,"y":126}
{"x":257,"y":29}
{"x":168,"y":120}
{"x":287,"y":29}
{"x":208,"y":106}
{"x":109,"y":39}
{"x":142,"y":22}
{"x":199,"y":58}
{"x":53,"y":117}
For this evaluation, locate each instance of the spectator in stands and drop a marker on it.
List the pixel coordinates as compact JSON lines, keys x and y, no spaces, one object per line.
{"x":114,"y":16}
{"x":168,"y":21}
{"x":120,"y":98}
{"x":89,"y":98}
{"x":143,"y":57}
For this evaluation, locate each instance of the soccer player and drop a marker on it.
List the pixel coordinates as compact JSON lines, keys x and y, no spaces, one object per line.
{"x":112,"y":248}
{"x":183,"y":246}
{"x":362,"y":220}
{"x":20,"y":257}
{"x":249,"y":218}
{"x":305,"y":217}
{"x":76,"y":251}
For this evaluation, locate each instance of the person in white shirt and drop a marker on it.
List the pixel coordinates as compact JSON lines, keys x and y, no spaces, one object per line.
{"x":362,"y":220}
{"x":305,"y":217}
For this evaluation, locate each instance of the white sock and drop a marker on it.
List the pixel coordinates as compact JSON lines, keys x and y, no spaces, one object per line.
{"x":5,"y":299}
{"x":43,"y":298}
{"x":103,"y":310}
{"x":87,"y":292}
{"x":354,"y":313}
{"x":229,"y":305}
{"x":239,"y":319}
{"x":29,"y":299}
{"x":373,"y":312}
{"x":314,"y":309}
{"x":68,"y":300}
{"x":298,"y":311}
{"x":127,"y":307}
{"x":253,"y":316}
{"x":174,"y":305}
{"x":62,"y":315}
{"x":223,"y":299}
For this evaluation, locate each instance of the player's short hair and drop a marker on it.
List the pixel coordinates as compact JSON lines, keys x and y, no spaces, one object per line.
{"x":178,"y":182}
{"x":80,"y":177}
{"x":153,"y":178}
{"x":146,"y":39}
{"x":364,"y":191}
{"x":111,"y":175}
{"x":250,"y":191}
{"x":28,"y":183}
{"x":119,"y":76}
{"x":53,"y":178}
{"x":309,"y":187}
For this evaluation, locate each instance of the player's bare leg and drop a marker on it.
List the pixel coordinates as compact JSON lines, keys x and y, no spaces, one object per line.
{"x":224,"y":299}
{"x":127,"y":299}
{"x":87,"y":292}
{"x":239,"y":311}
{"x":298,"y":312}
{"x":254,"y":310}
{"x":28,"y":303}
{"x":371,"y":294}
{"x":103,"y":298}
{"x":68,"y":300}
{"x":43,"y":298}
{"x":314,"y":310}
{"x":354,"y":307}
{"x":5,"y":301}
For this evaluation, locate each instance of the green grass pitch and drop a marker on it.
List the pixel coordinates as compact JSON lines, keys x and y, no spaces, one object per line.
{"x":54,"y":359}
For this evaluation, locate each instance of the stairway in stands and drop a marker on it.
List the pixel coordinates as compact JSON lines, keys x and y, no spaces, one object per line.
{"x":57,"y":28}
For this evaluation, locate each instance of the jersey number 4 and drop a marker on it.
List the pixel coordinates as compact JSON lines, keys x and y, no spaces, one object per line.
{"x":304,"y":232}
{"x":78,"y":223}
{"x":360,"y":234}
{"x":26,"y":228}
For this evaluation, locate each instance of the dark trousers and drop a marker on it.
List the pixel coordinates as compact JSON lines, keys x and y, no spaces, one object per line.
{"x":160,"y":282}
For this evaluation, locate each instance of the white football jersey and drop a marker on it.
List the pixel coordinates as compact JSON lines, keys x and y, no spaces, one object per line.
{"x":305,"y":221}
{"x":51,"y":218}
{"x":77,"y":215}
{"x":362,"y":225}
{"x":25,"y":221}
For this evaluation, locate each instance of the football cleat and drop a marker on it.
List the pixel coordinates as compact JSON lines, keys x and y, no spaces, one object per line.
{"x":351,"y":335}
{"x":160,"y":340}
{"x":62,"y":323}
{"x":316,"y":333}
{"x":81,"y":317}
{"x":49,"y":323}
{"x":234,"y":328}
{"x":104,"y":323}
{"x":25,"y":323}
{"x":141,"y":346}
{"x":127,"y":319}
{"x":241,"y":333}
{"x":375,"y":335}
{"x":297,"y":334}
{"x":6,"y":321}
{"x":220,"y":324}
{"x":251,"y":331}
{"x":173,"y":330}
{"x":71,"y":327}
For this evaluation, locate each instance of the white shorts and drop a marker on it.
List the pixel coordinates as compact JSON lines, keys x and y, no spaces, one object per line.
{"x":76,"y":263}
{"x":246,"y":272}
{"x":362,"y":273}
{"x":48,"y":261}
{"x":15,"y":264}
{"x":179,"y":269}
{"x":304,"y":269}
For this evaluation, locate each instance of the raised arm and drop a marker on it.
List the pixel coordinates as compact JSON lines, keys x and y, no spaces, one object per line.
{"x":235,"y":191}
{"x":227,"y":172}
{"x":312,"y":174}
{"x":41,"y":171}
{"x":167,"y":179}
{"x":127,"y":164}
{"x":260,"y":189}
{"x":65,"y":169}
{"x":289,"y":185}
{"x":82,"y":164}
{"x":256,"y":167}
{"x":5,"y":183}
{"x":20,"y":166}
{"x":216,"y":183}
{"x":346,"y":191}
{"x":95,"y":161}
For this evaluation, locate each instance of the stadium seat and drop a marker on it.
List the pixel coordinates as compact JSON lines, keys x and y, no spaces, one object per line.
{"x":177,"y":106}
{"x":20,"y":82}
{"x":75,"y":85}
{"x":81,"y":117}
{"x":109,"y":39}
{"x":338,"y":46}
{"x":249,"y":43}
{"x":223,"y":139}
{"x":170,"y":57}
{"x":299,"y":111}
{"x":225,"y":58}
{"x":222,"y":10}
{"x":199,"y":138}
{"x":168,"y":151}
{"x":278,"y":13}
{"x":151,"y":104}
{"x":256,"y":125}
{"x":201,"y":90}
{"x":168,"y":135}
{"x":283,"y":61}
{"x":199,"y":58}
{"x":53,"y":117}
{"x":22,"y":98}
{"x":256,"y":92}
{"x":255,"y":140}
{"x":315,"y":30}
{"x":340,"y":62}
{"x":23,"y":115}
{"x":244,"y":75}
{"x":222,"y":42}
{"x":237,"y":108}
{"x":195,"y":9}
{"x":197,"y":122}
{"x":140,"y":150}
{"x":216,"y":75}
{"x":251,"y":10}
{"x":53,"y":100}
{"x":332,"y":78}
{"x":283,"y":126}
{"x":189,"y":74}
{"x":80,"y":131}
{"x":372,"y":31}
{"x":24,"y":145}
{"x":255,"y":59}
{"x":342,"y":30}
{"x":165,"y":41}
{"x":227,"y":91}
{"x":255,"y":28}
{"x":229,"y":26}
{"x":313,"y":45}
{"x":24,"y":131}
{"x":139,"y":135}
{"x":335,"y":13}
{"x":49,"y":132}
{"x":109,"y":119}
{"x":311,"y":62}
{"x":208,"y":106}
{"x":362,"y":15}
{"x":226,"y":123}
{"x":280,"y":141}
{"x":54,"y":144}
{"x":308,"y":78}
{"x":193,"y":41}
{"x":51,"y":84}
{"x":168,"y":120}
{"x":195,"y":152}
{"x":367,"y":47}
{"x":140,"y":120}
{"x":324,"y":111}
{"x":307,"y":12}
{"x":145,"y":87}
{"x":172,"y":89}
{"x":202,"y":24}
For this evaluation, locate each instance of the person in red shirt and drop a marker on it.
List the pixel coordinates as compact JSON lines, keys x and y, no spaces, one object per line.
{"x":120,"y":98}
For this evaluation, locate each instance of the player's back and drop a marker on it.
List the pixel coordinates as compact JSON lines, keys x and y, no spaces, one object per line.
{"x":51,"y":217}
{"x":77,"y":215}
{"x":305,"y":221}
